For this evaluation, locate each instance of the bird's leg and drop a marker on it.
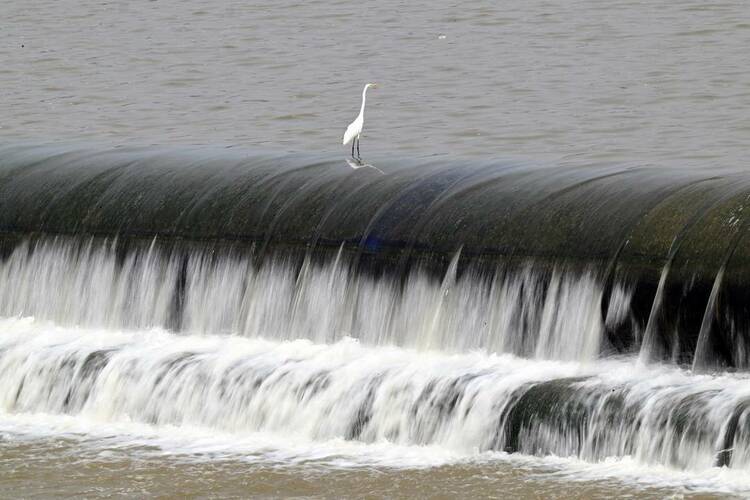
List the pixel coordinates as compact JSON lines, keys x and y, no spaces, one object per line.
{"x":353,"y":141}
{"x":358,"y":155}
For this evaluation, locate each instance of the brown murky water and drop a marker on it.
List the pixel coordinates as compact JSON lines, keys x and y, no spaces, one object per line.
{"x":62,"y":467}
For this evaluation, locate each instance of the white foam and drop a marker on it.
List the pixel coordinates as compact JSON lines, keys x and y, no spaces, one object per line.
{"x":348,"y":404}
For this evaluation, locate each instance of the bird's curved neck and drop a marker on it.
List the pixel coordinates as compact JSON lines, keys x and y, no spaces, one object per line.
{"x":364,"y":98}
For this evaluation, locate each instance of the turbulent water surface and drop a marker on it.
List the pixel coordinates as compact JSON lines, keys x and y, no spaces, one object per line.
{"x":296,"y":371}
{"x":140,"y":370}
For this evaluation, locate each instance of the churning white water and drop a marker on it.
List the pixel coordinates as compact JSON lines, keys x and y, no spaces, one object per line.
{"x":250,"y":396}
{"x":313,"y":359}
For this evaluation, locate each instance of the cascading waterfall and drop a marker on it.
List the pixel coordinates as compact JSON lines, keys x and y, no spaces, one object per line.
{"x":275,"y":295}
{"x":524,"y":313}
{"x":380,"y":360}
{"x":347,"y":390}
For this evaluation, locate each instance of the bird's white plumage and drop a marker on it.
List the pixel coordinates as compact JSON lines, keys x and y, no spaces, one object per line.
{"x":354,"y":130}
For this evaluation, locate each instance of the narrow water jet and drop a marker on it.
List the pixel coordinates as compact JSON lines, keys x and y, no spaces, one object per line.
{"x":702,"y":360}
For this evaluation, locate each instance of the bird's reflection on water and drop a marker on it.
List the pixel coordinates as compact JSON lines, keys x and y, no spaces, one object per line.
{"x":357,"y":163}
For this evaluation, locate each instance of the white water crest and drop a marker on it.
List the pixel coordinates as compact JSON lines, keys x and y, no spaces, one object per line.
{"x":463,"y":404}
{"x":532,"y":313}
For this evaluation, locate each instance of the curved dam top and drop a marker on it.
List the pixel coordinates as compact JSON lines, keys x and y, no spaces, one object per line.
{"x":641,"y":218}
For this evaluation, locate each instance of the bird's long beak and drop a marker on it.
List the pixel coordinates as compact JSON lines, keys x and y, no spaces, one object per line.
{"x":375,"y":85}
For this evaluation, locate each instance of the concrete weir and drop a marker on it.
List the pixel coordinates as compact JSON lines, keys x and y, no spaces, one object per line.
{"x":677,"y":240}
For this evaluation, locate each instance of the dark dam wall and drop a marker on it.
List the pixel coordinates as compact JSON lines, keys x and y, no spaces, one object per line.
{"x":681,"y":232}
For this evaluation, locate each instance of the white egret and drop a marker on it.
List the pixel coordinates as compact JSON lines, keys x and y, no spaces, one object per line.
{"x":354,"y":130}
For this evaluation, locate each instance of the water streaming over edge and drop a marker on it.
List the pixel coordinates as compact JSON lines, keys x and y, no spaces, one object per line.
{"x":418,"y":361}
{"x":528,"y":312}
